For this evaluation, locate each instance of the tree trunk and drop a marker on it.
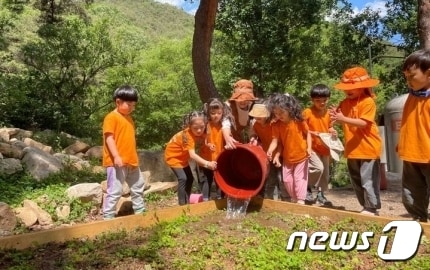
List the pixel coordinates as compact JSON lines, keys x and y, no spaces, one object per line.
{"x":424,"y":23}
{"x":202,"y":41}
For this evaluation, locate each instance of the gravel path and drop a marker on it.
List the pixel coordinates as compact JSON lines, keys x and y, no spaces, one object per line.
{"x":391,"y":200}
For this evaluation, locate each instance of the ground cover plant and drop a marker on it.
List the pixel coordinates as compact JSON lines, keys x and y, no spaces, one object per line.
{"x":211,"y":241}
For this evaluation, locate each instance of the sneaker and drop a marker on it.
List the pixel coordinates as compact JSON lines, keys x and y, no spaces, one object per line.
{"x":108,"y":217}
{"x":301,"y":202}
{"x":322,"y":200}
{"x":369,"y":212}
{"x":309,"y":197}
{"x":140,"y":211}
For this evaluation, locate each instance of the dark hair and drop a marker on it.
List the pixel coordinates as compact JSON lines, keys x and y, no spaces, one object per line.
{"x":320,"y":91}
{"x":125,"y":93}
{"x":188,"y":121}
{"x":419,"y":59}
{"x":288,"y":103}
{"x":215,"y":104}
{"x":190,"y":117}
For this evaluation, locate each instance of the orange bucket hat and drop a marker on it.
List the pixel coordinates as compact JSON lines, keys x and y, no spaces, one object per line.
{"x":243,"y":91}
{"x":354,"y":78}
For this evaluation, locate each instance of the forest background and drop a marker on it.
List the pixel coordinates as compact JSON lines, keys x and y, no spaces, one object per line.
{"x":61,"y":60}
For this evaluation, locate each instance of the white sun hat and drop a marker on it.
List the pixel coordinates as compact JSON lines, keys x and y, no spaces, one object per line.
{"x":334,"y":144}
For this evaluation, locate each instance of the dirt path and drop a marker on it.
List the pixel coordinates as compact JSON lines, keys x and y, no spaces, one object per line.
{"x":391,"y":200}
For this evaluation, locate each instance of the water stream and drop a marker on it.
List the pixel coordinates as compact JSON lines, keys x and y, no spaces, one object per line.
{"x":236,"y":208}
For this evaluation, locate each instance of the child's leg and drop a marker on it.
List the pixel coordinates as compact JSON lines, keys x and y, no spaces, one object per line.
{"x":115,"y":178}
{"x":365,"y":181}
{"x":207,"y":184}
{"x":184,"y":187}
{"x":189,"y":182}
{"x":136,"y":183}
{"x":415,"y":189}
{"x":282,"y":191}
{"x":322,"y":184}
{"x":300,"y":175}
{"x":316,"y":169}
{"x":287,"y":178}
{"x":271,"y":182}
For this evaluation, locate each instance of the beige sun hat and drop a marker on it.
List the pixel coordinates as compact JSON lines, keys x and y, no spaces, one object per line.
{"x":259,"y":110}
{"x":334,"y":144}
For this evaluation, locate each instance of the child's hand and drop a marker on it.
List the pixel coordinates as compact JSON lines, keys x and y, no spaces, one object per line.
{"x":335,"y":114}
{"x":253,"y":141}
{"x":276,"y":162}
{"x":211,"y":146}
{"x":333,"y":132}
{"x":118,"y":162}
{"x":212,"y":165}
{"x":230,"y":143}
{"x":269,"y":155}
{"x":309,"y":151}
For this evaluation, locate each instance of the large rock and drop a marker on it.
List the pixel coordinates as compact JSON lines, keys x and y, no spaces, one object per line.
{"x":153,"y":161}
{"x":39,"y":163}
{"x":76,"y":147}
{"x":10,"y":166}
{"x":26,"y":215}
{"x":86,"y":192}
{"x":43,"y":217}
{"x":11,"y":151}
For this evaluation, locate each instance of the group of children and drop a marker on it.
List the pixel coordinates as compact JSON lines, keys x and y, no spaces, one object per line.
{"x":290,"y":136}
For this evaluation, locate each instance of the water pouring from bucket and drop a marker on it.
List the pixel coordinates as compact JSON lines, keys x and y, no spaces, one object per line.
{"x":241,"y":174}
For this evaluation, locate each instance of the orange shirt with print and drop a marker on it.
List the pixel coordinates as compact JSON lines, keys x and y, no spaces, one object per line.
{"x":214,"y":136}
{"x":361,"y":143}
{"x":292,"y":135}
{"x":123,"y":130}
{"x":414,"y":138}
{"x":319,"y":123}
{"x":176,"y":153}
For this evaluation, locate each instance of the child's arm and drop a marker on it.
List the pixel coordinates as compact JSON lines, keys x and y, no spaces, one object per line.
{"x":202,"y":162}
{"x":309,"y":143}
{"x":272,"y":147}
{"x":226,"y":133}
{"x":111,"y":145}
{"x":337,"y":116}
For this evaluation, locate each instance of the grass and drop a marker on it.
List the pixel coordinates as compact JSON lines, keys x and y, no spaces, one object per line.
{"x":211,"y":241}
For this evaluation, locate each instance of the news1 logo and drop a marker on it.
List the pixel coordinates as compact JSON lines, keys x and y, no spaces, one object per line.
{"x":404,"y":245}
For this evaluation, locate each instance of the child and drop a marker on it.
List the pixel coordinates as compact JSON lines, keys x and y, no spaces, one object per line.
{"x":318,"y":120}
{"x":119,"y":153}
{"x":292,"y":132}
{"x":261,"y":134}
{"x":414,"y":143}
{"x":215,"y":110}
{"x":239,"y":103}
{"x":356,"y":113}
{"x":181,"y":148}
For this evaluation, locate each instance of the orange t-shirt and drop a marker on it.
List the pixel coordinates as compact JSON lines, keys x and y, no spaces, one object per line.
{"x":319,"y":123}
{"x":361,"y":143}
{"x":414,"y":139}
{"x":292,"y":135}
{"x":123,"y":130}
{"x":264,"y":133}
{"x":214,"y":136}
{"x":176,"y":153}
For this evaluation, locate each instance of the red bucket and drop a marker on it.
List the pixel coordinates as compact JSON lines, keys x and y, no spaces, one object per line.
{"x":241,"y":172}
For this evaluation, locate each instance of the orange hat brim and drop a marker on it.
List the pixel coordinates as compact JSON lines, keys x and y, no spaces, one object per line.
{"x":369,"y":83}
